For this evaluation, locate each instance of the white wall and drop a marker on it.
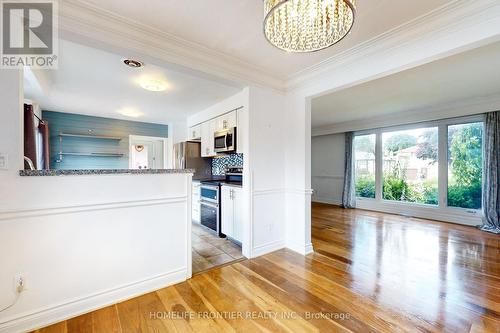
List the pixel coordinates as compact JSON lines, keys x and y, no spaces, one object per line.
{"x":298,"y":173}
{"x":263,"y":131}
{"x":236,"y":101}
{"x":83,"y":242}
{"x":178,"y":131}
{"x":267,"y":162}
{"x":327,"y":154}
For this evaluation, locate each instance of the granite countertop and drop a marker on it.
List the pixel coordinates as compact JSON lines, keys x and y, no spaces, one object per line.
{"x":46,"y":173}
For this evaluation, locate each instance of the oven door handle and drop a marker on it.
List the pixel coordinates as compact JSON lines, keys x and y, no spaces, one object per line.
{"x":209,"y":204}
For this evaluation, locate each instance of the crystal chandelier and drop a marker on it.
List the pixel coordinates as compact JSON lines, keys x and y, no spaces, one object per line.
{"x":307,"y":25}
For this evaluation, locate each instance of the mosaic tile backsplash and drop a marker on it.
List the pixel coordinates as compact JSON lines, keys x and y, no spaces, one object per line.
{"x":219,"y":164}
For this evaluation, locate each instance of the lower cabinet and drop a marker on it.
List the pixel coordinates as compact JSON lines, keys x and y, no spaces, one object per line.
{"x":232,"y":214}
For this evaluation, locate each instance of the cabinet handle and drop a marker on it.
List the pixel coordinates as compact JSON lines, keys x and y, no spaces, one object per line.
{"x":194,"y":134}
{"x":224,"y":124}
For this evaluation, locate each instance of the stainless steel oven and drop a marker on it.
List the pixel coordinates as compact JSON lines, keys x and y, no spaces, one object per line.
{"x":210,"y":207}
{"x":225,"y":141}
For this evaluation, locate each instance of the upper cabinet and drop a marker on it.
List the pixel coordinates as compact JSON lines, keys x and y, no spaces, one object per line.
{"x":205,"y":131}
{"x":208,"y":129}
{"x":226,"y":121}
{"x":195,"y":133}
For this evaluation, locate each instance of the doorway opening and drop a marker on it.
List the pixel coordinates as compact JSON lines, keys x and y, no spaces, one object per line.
{"x":147,"y":152}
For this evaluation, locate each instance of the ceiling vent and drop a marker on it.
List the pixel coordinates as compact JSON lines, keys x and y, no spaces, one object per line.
{"x":133,"y":63}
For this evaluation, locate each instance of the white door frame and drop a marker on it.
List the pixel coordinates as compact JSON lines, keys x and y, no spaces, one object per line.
{"x":167,"y":148}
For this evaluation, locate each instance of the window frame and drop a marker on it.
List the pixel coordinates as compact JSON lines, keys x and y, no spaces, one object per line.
{"x":376,"y":166}
{"x":443,"y":155}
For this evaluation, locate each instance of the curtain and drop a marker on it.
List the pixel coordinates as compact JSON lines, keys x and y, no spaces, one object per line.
{"x":348,"y":195}
{"x":491,"y":189}
{"x":29,"y":136}
{"x":44,"y":130}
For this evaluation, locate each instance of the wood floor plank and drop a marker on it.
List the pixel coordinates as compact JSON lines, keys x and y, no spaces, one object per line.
{"x":106,"y":320}
{"x":56,"y":328}
{"x":81,"y":324}
{"x":139,"y":315}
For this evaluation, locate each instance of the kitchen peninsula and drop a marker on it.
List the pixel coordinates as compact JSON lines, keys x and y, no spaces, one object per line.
{"x":91,"y":238}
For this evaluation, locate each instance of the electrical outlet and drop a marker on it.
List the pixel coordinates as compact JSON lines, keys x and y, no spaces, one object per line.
{"x":19,"y":283}
{"x":4,"y":161}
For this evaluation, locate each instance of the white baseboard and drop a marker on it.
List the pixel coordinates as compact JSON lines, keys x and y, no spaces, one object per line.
{"x":329,"y":201}
{"x":301,"y":249}
{"x":267,"y":248}
{"x":457,"y":216}
{"x":74,"y":308}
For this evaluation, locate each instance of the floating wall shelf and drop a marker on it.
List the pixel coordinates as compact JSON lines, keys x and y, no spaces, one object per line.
{"x":86,"y":136}
{"x":93,"y":154}
{"x":90,"y":136}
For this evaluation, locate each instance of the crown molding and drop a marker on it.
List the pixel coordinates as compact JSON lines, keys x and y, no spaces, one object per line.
{"x":443,"y":23}
{"x":460,"y":108}
{"x":81,"y":20}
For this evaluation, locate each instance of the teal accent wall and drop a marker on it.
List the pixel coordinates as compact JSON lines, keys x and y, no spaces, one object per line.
{"x":80,"y":124}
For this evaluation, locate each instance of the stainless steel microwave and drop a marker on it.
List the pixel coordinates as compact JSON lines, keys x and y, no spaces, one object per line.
{"x":225,"y":141}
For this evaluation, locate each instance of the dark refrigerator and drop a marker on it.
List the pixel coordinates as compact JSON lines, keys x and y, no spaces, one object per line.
{"x":187,"y":155}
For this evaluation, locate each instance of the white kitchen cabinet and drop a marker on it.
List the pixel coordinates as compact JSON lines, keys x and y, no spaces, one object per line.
{"x":232,"y":215}
{"x":195,"y":132}
{"x":206,"y":130}
{"x":207,"y":138}
{"x":226,"y":121}
{"x":239,"y":131}
{"x":195,"y":202}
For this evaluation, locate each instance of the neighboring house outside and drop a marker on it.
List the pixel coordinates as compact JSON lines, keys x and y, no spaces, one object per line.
{"x":416,"y":169}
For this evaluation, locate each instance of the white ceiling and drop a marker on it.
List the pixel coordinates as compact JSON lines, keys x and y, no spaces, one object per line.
{"x":469,"y":75}
{"x":234,"y":27}
{"x":93,"y":82}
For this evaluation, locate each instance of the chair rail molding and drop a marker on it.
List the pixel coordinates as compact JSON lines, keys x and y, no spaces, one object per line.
{"x":44,"y":211}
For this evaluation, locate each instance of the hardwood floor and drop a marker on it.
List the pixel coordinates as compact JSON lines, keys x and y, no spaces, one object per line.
{"x":371,"y":272}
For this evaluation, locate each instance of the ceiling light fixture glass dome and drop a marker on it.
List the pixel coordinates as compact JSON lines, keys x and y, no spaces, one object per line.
{"x":307,"y":25}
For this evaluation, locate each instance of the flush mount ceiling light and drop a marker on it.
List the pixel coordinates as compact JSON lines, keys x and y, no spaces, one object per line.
{"x":133,"y":63}
{"x":153,"y":85}
{"x":130,"y":112}
{"x":307,"y":25}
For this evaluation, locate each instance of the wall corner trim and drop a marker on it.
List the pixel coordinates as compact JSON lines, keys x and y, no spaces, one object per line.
{"x":261,"y":250}
{"x":301,"y":249}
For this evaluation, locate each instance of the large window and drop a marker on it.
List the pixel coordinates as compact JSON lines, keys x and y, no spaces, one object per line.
{"x":364,"y":165}
{"x":465,"y":165}
{"x":411,"y":165}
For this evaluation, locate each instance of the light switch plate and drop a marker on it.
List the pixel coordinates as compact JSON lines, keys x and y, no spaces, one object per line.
{"x":4,"y":161}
